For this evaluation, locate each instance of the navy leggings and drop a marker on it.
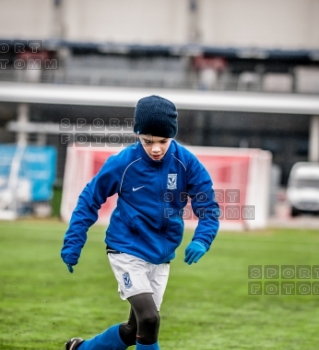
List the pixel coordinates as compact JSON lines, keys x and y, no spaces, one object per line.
{"x":143,"y":322}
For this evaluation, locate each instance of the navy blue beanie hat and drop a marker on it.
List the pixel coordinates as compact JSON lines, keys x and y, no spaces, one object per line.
{"x":156,"y":116}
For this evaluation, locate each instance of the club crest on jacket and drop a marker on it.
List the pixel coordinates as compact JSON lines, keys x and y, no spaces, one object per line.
{"x":172,"y":181}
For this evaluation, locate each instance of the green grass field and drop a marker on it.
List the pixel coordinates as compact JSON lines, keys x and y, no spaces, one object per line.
{"x":206,"y":306}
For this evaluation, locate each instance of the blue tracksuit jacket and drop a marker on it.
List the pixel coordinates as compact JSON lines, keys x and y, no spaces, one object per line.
{"x":148,"y":219}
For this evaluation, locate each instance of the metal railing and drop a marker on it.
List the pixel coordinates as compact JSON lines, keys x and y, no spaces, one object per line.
{"x":162,"y":73}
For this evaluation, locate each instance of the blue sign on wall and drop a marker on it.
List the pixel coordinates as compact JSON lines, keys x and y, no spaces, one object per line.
{"x":36,"y":164}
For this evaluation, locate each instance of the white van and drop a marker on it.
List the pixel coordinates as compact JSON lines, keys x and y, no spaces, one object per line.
{"x":303,"y":188}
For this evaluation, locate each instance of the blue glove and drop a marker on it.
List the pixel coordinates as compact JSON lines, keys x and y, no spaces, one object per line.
{"x":70,"y":256}
{"x":70,"y":267}
{"x":70,"y":261}
{"x":194,"y":251}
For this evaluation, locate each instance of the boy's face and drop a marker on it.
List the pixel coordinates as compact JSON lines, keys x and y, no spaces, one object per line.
{"x":155,"y":146}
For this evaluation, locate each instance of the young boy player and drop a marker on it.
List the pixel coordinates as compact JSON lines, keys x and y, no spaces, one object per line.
{"x":153,"y":179}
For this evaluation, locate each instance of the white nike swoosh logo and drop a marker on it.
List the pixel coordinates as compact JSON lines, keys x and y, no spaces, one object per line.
{"x":137,"y":188}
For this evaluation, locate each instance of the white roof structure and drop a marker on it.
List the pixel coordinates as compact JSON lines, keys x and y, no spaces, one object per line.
{"x":184,"y":99}
{"x":26,"y":93}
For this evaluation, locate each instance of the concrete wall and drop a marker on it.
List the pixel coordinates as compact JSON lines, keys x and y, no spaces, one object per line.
{"x":30,"y":19}
{"x":262,"y":23}
{"x":270,"y":23}
{"x":138,"y":21}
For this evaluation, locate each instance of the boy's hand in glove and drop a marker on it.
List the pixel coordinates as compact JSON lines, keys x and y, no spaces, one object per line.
{"x":70,"y":267}
{"x":70,"y":261}
{"x":194,"y":251}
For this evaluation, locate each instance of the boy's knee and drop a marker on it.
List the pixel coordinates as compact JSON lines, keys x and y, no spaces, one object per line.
{"x":148,"y":327}
{"x":150,"y":320}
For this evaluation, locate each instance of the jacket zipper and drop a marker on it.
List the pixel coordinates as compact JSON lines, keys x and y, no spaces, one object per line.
{"x":164,"y":220}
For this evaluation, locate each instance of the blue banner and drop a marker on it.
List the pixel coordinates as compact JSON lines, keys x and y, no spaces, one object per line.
{"x":34,"y":164}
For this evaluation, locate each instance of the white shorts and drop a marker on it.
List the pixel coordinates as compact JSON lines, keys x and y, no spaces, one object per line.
{"x":136,"y":276}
